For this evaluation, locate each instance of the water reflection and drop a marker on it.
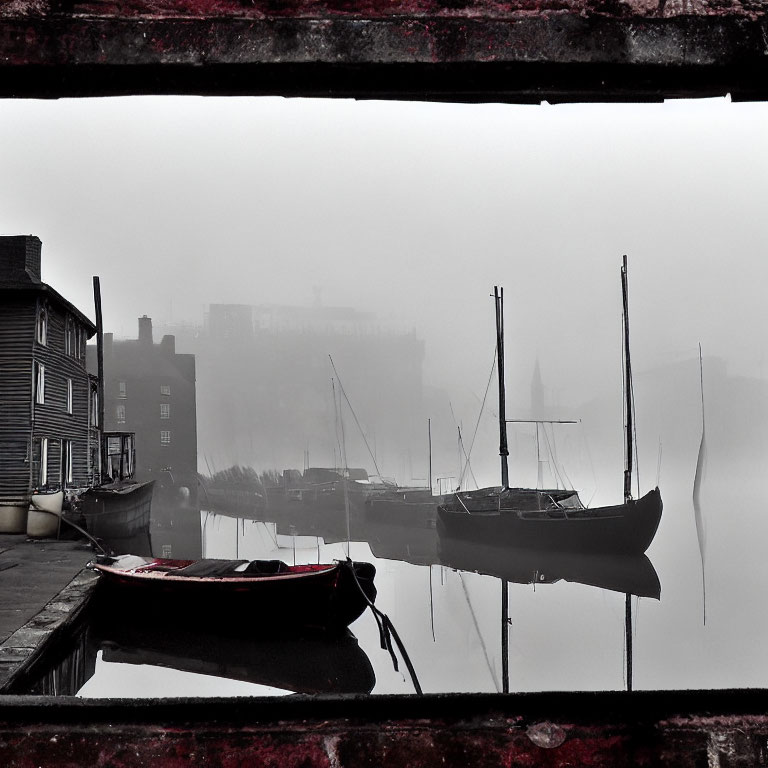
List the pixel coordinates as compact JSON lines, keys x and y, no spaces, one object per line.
{"x":409,"y":535}
{"x":110,"y":634}
{"x":447,"y":598}
{"x":629,"y":575}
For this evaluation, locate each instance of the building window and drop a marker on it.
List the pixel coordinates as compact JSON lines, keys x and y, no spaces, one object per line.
{"x":69,"y":396}
{"x":120,"y":414}
{"x":121,"y":389}
{"x":42,"y":327}
{"x":94,"y":407}
{"x":165,"y":437}
{"x":39,"y":383}
{"x":70,"y":337}
{"x":165,"y":411}
{"x":66,"y":461}
{"x":165,"y":389}
{"x":40,"y":461}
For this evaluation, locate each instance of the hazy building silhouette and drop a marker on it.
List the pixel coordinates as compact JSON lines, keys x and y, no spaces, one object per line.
{"x":266,"y":397}
{"x":48,"y":432}
{"x":149,"y":389}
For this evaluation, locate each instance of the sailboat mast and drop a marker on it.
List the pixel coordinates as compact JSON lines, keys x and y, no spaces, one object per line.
{"x":100,"y":374}
{"x":429,"y":435}
{"x":627,"y":387}
{"x":498,"y":294}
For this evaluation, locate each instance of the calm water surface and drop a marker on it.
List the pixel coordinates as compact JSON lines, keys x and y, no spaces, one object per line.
{"x":562,"y":636}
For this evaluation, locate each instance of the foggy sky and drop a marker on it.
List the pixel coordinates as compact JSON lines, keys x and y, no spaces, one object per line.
{"x":413,"y":212}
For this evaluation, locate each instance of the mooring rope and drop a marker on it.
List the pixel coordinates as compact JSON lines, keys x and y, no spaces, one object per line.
{"x":387,"y":631}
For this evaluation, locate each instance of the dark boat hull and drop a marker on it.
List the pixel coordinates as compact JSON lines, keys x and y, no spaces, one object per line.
{"x":118,"y":513}
{"x":327,"y":599}
{"x":623,"y":529}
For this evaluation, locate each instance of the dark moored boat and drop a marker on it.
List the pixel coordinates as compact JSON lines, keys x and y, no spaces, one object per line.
{"x":265,"y":595}
{"x":556,"y":520}
{"x":553,"y":519}
{"x":118,"y":510}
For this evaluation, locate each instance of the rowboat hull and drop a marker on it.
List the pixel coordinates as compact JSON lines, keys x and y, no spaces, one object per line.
{"x":623,"y":529}
{"x":318,"y":597}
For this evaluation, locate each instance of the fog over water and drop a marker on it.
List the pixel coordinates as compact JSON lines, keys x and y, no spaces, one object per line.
{"x":411,"y":213}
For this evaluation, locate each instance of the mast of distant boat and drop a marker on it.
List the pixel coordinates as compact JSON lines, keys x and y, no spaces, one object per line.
{"x":429,"y":436}
{"x":100,"y":372}
{"x":627,"y":387}
{"x":628,"y":457}
{"x":498,"y":294}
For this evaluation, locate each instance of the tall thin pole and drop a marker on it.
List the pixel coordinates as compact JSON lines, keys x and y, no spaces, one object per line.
{"x":498,"y":294}
{"x":429,"y":434}
{"x":100,"y":374}
{"x":627,"y":387}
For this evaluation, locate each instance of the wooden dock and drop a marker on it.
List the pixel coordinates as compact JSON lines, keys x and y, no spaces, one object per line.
{"x":43,"y":587}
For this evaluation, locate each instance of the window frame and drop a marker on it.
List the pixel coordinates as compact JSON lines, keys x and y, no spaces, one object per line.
{"x":39,"y":382}
{"x":39,"y":462}
{"x":41,"y":327}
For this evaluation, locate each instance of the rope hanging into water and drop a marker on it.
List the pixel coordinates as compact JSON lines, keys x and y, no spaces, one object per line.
{"x":387,"y":633}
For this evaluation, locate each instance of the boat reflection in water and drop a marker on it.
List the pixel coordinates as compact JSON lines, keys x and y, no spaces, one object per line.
{"x":628,"y":574}
{"x":418,"y":542}
{"x":300,"y":663}
{"x":295,"y":663}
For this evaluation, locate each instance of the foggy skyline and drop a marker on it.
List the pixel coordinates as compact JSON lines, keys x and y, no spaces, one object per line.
{"x":413,"y":212}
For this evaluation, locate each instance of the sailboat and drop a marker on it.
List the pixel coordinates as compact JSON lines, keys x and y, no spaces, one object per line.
{"x":554,"y":519}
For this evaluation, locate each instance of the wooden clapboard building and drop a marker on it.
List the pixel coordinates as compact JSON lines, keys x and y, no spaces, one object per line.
{"x":49,"y":435}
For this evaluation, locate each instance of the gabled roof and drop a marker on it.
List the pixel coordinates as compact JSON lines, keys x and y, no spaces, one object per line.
{"x":9,"y":288}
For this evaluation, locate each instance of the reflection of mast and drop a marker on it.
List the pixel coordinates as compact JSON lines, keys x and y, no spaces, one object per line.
{"x":628,"y":456}
{"x":504,"y":636}
{"x":628,"y":635}
{"x":700,"y":463}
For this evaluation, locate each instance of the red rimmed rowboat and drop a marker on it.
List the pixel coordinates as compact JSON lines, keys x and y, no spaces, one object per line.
{"x":259,"y":596}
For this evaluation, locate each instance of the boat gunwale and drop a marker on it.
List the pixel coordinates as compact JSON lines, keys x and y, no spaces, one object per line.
{"x":136,"y":575}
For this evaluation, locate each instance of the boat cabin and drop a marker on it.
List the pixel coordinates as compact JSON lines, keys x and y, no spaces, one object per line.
{"x":119,"y":455}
